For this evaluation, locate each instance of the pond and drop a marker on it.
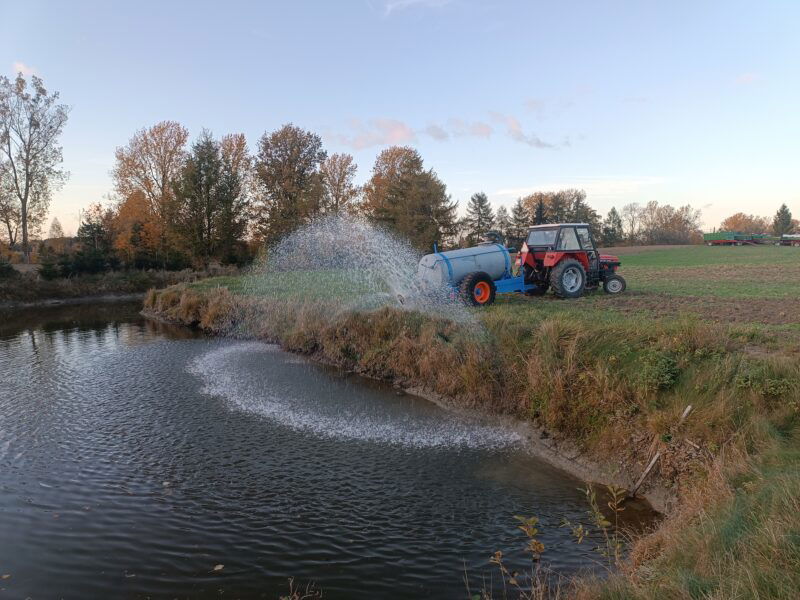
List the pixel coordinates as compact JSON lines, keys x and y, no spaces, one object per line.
{"x":140,"y":460}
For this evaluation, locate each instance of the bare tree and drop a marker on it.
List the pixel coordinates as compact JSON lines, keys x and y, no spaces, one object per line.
{"x":631,"y":217}
{"x":56,"y":231}
{"x":30,"y":125}
{"x":340,"y":193}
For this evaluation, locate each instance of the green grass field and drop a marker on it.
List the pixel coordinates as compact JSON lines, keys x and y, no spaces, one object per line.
{"x":755,"y":289}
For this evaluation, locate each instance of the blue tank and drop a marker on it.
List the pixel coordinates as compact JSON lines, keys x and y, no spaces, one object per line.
{"x":449,"y":268}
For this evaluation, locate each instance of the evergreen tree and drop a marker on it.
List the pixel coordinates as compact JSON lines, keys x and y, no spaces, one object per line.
{"x":197,"y":193}
{"x":579,"y":210}
{"x":612,"y":233}
{"x":540,"y":217}
{"x":502,"y":222}
{"x":232,"y":198}
{"x":480,"y":217}
{"x":520,"y":221}
{"x":782,"y":223}
{"x":404,"y":197}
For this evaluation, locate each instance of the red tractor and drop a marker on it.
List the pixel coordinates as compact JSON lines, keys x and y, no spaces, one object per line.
{"x":564,"y":257}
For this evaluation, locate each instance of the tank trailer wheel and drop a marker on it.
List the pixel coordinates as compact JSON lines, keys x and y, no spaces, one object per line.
{"x":615,"y":284}
{"x":568,"y":279}
{"x":477,"y":289}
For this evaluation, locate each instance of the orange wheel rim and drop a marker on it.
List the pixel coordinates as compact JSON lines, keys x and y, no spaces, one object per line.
{"x":481,"y":292}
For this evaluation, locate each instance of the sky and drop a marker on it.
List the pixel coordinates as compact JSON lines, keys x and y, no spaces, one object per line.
{"x":680,"y":102}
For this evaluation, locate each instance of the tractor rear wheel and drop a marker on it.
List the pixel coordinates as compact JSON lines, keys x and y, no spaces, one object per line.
{"x":477,"y":289}
{"x":568,"y":279}
{"x":614,"y":284}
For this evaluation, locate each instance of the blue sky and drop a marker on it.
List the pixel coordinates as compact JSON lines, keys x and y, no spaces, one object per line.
{"x":679,"y":102}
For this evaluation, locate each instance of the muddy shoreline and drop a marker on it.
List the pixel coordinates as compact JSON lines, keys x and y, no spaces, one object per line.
{"x":556,"y":451}
{"x":103,"y":298}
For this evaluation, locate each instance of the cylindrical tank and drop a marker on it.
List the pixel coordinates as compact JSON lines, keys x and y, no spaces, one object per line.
{"x":442,"y":268}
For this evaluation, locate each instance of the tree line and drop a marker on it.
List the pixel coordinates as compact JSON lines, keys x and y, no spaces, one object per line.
{"x":178,"y":202}
{"x":650,"y":223}
{"x":780,"y":224}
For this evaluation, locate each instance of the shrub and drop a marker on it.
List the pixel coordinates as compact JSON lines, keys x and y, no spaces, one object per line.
{"x":6,"y":270}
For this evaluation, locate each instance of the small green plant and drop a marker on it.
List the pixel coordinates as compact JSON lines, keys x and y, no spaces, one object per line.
{"x":527,"y":586}
{"x":613,"y":543}
{"x":660,"y":371}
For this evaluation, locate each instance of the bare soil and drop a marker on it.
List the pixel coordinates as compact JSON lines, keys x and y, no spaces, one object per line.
{"x":770,"y":311}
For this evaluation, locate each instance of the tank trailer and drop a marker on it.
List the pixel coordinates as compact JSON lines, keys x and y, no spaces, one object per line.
{"x":559,"y":256}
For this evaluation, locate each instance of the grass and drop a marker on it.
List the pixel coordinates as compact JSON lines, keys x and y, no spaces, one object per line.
{"x":612,"y":374}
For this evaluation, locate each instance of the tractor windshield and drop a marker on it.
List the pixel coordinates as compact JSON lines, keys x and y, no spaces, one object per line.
{"x":541,"y":237}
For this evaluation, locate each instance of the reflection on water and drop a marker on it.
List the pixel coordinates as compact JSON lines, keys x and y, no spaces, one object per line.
{"x":134,"y":457}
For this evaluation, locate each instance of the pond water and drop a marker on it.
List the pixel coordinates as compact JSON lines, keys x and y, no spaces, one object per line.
{"x":135,"y":458}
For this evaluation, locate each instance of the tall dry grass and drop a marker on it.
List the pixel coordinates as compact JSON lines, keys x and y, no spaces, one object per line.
{"x":617,"y":388}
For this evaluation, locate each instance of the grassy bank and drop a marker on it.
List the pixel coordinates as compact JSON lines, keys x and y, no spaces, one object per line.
{"x":609,"y":375}
{"x":28,"y":288}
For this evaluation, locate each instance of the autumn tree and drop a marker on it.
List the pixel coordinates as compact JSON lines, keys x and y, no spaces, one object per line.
{"x":612,"y":231}
{"x":408,"y":199}
{"x":782,"y":222}
{"x":746,"y":223}
{"x":339,"y":190}
{"x":137,"y":231}
{"x":479,"y":218}
{"x":30,"y":157}
{"x":288,"y":181}
{"x":151,"y":164}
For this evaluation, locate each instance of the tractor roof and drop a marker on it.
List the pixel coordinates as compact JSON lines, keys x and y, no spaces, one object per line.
{"x":550,"y":225}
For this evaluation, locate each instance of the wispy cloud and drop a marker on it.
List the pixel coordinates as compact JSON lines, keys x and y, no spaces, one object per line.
{"x":437,"y":133}
{"x":600,"y":188}
{"x":393,"y":6}
{"x":376,"y":132}
{"x":387,"y":131}
{"x":461,"y":128}
{"x":515,"y":132}
{"x":548,"y":108}
{"x":747,"y":78}
{"x":21,"y":67}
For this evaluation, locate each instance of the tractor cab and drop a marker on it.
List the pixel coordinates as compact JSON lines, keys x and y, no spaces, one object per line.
{"x":564,"y":257}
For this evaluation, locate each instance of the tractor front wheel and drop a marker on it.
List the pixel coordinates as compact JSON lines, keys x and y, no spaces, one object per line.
{"x":614,"y":284}
{"x":477,"y":289}
{"x":568,"y":279}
